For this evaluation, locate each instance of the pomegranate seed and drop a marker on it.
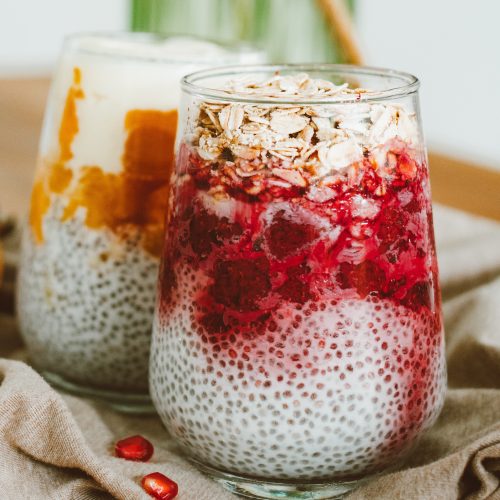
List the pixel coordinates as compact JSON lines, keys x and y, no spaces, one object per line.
{"x":159,"y":486}
{"x":134,"y":448}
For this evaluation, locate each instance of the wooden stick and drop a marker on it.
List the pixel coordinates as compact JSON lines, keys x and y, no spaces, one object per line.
{"x":462,"y":185}
{"x":342,"y":28}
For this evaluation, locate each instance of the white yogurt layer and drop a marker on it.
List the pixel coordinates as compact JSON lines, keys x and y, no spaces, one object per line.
{"x":341,"y":408}
{"x":119,"y":74}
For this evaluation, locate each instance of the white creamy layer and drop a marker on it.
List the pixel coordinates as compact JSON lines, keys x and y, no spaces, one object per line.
{"x":119,"y":75}
{"x":321,"y":421}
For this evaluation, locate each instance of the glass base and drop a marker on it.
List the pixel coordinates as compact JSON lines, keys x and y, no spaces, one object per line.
{"x":131,"y":403}
{"x":260,"y":488}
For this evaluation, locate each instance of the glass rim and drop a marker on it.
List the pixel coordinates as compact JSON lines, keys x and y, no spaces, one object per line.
{"x":117,"y":44}
{"x":409,"y":83}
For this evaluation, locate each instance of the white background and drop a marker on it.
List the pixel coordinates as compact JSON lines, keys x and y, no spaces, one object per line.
{"x":453,"y":46}
{"x":31,"y":31}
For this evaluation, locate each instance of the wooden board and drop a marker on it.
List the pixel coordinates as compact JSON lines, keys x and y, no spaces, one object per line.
{"x":459,"y":184}
{"x":454,"y":183}
{"x":22,"y":103}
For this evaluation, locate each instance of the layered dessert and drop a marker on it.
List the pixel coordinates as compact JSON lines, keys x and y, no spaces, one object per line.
{"x":91,"y":252}
{"x":298,"y":333}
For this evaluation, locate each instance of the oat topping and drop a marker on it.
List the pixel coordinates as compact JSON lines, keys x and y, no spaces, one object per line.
{"x":310,"y":142}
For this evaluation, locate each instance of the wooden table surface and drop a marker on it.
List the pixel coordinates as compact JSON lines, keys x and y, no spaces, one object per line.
{"x":454,"y":182}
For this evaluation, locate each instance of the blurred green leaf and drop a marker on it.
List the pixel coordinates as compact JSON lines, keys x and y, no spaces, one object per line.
{"x":289,"y":30}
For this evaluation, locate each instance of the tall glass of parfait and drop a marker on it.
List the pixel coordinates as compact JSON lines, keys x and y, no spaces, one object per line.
{"x":91,"y":250}
{"x":298,"y":341}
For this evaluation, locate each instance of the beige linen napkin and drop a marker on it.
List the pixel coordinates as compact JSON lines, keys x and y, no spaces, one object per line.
{"x":54,"y":447}
{"x":460,"y":456}
{"x":60,"y":447}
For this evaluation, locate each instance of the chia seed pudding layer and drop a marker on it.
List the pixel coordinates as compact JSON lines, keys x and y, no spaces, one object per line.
{"x":86,"y":303}
{"x":298,"y":332}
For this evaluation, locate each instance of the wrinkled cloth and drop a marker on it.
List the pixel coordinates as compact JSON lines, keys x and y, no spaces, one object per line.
{"x":57,"y":446}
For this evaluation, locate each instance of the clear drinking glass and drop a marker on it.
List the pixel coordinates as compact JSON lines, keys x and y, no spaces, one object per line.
{"x":298,"y":342}
{"x":91,"y":252}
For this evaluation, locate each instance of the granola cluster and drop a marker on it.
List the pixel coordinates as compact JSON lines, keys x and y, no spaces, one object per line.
{"x":298,"y":143}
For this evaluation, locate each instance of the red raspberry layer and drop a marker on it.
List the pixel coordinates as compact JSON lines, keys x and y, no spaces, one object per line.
{"x":372,"y":237}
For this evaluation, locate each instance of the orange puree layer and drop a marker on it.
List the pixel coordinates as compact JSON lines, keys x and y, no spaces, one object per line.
{"x":40,"y":203}
{"x":58,"y":176}
{"x":136,"y":196}
{"x":69,"y":122}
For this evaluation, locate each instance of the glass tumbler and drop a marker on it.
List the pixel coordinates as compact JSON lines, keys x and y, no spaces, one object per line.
{"x":298,"y":342}
{"x":91,"y":252}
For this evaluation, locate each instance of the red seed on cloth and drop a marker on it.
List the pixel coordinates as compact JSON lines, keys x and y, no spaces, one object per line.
{"x":134,"y":448}
{"x":159,"y":486}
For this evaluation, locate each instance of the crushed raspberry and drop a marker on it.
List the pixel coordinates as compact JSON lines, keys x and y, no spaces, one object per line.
{"x":207,"y":229}
{"x":392,"y":227}
{"x":430,"y":230}
{"x":365,"y":277}
{"x":394,"y":286}
{"x":136,"y":448}
{"x":202,"y":232}
{"x":159,"y":486}
{"x":240,"y":284}
{"x":413,"y":206}
{"x":168,"y":280}
{"x":399,"y":246}
{"x":227,"y":230}
{"x":214,"y":323}
{"x":295,"y":288}
{"x":286,"y":237}
{"x":276,"y":192}
{"x":419,"y":295}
